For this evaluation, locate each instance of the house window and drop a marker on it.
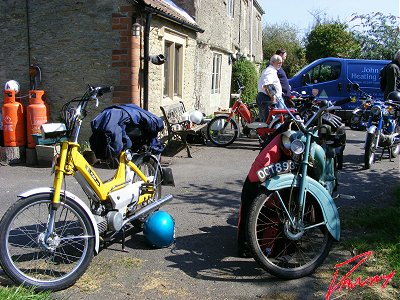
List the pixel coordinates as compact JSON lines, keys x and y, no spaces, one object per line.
{"x":173,"y":52}
{"x":230,"y":5}
{"x":216,"y":73}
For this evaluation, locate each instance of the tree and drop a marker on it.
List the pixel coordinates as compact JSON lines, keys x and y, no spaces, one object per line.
{"x":246,"y":72}
{"x":284,"y":36}
{"x":331,"y":39}
{"x":378,"y":35}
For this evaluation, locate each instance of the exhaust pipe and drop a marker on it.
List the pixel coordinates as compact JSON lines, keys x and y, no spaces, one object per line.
{"x":149,"y":208}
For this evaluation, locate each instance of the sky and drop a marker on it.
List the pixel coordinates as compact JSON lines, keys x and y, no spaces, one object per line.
{"x":297,"y":12}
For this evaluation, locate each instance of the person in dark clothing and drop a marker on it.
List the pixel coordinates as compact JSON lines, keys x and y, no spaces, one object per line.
{"x":392,"y":74}
{"x":282,"y":75}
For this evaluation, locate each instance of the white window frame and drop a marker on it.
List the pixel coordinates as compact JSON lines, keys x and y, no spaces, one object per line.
{"x":230,"y":4}
{"x":216,"y":73}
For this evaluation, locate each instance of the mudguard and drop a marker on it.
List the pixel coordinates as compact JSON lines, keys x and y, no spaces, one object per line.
{"x":328,"y":206}
{"x":234,"y":120}
{"x":371,"y":129}
{"x":72,"y":197}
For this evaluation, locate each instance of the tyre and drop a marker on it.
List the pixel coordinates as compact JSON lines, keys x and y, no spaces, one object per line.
{"x":221,"y":132}
{"x":370,"y":146}
{"x":276,"y":246}
{"x":396,"y":149}
{"x":54,"y":264}
{"x":355,"y":122}
{"x":149,"y":167}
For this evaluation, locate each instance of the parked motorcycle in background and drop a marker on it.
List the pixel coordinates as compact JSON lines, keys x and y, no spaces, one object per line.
{"x":360,"y":115}
{"x":288,"y":219}
{"x":383,"y":129}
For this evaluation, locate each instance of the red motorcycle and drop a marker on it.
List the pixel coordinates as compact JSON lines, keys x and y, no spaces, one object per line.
{"x":224,"y":129}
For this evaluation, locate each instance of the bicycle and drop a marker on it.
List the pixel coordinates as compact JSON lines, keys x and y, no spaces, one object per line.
{"x":49,"y":236}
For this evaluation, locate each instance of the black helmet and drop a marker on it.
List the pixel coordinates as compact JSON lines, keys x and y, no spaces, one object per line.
{"x":394,"y":96}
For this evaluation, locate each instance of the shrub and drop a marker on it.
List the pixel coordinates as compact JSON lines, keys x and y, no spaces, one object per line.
{"x":246,"y":72}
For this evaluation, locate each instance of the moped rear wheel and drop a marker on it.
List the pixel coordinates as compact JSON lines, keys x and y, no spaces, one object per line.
{"x":279,"y":248}
{"x":370,"y":146}
{"x":149,"y":167}
{"x":53,"y":264}
{"x":221,"y":132}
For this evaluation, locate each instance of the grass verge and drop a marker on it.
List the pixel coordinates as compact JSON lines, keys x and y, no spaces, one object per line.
{"x":21,"y":293}
{"x":377,"y":229}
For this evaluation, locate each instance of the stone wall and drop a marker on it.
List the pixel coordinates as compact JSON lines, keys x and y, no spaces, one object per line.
{"x":71,"y":42}
{"x":79,"y":42}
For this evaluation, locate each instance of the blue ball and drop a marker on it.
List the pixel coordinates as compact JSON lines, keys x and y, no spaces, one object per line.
{"x":159,"y":229}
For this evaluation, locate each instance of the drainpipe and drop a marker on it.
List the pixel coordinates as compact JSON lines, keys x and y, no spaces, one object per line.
{"x":251,"y":29}
{"x":135,"y":65}
{"x":146,"y":62}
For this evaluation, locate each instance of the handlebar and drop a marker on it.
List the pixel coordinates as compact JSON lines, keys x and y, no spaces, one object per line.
{"x":100,"y":91}
{"x":342,"y":101}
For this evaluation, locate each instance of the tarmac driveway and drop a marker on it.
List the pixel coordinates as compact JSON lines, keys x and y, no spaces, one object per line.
{"x":203,"y":263}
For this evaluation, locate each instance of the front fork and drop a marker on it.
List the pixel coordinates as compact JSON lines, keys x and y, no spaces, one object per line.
{"x":57,"y":183}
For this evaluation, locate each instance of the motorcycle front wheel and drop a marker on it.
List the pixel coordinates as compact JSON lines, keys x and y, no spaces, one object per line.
{"x":221,"y":132}
{"x":279,"y":248}
{"x":370,"y":147}
{"x":355,"y":122}
{"x":54,"y":263}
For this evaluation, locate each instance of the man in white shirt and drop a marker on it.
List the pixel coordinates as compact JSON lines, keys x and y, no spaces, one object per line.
{"x":269,"y":76}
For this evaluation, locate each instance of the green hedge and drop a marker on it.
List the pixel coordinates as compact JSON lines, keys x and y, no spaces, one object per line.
{"x":246,"y":71}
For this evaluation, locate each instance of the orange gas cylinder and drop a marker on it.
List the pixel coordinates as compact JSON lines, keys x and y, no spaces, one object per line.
{"x":13,"y":121}
{"x":36,"y":115}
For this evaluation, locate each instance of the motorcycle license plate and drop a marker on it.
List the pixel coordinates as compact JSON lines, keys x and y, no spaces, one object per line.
{"x":275,"y":169}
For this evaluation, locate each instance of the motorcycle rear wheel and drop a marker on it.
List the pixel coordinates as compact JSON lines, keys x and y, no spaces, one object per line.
{"x":370,"y":146}
{"x":222,"y":133}
{"x":272,"y":248}
{"x":54,"y":264}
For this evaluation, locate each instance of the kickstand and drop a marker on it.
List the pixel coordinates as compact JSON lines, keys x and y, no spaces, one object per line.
{"x":390,"y":154}
{"x":123,"y":239}
{"x":383,"y":151}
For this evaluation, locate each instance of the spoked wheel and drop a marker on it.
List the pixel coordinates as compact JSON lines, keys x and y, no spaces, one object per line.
{"x":221,"y":132}
{"x":355,"y":121}
{"x":283,"y":249}
{"x":51,"y":263}
{"x":370,"y":146}
{"x":149,"y":167}
{"x":396,"y":149}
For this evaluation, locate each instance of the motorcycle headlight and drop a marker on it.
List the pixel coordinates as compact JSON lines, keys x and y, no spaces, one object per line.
{"x":297,"y":147}
{"x":389,"y":111}
{"x":375,"y":110}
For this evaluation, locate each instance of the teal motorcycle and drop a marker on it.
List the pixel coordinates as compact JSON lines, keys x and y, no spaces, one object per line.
{"x":288,"y":218}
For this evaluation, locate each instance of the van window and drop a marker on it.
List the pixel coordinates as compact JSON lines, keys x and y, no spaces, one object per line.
{"x":326,"y":71}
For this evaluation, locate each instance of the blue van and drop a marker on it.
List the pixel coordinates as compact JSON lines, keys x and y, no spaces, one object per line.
{"x":333,"y":78}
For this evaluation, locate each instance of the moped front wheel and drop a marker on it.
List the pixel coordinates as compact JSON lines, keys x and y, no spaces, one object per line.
{"x":370,"y":147}
{"x":281,"y":248}
{"x":31,"y":257}
{"x":222,"y":132}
